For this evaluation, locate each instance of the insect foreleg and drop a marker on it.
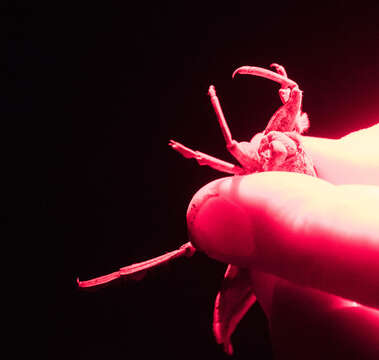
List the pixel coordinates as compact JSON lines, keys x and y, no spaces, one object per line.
{"x":279,"y":69}
{"x":284,"y":91}
{"x":268,"y":74}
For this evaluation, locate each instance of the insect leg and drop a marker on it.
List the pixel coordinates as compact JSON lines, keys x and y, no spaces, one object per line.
{"x":284,"y":92}
{"x":235,"y":148}
{"x":220,"y":116}
{"x":138,"y":270}
{"x":204,"y":159}
{"x":302,"y":121}
{"x":268,"y":74}
{"x":285,"y":118}
{"x":279,"y":69}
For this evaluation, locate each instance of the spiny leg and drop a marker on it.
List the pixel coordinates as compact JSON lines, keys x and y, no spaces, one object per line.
{"x":268,"y":74}
{"x":285,"y":117}
{"x":287,"y":85}
{"x":204,"y":159}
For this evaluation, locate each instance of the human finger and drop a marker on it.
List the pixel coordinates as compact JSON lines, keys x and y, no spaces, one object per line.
{"x":353,"y":159}
{"x":294,"y":226}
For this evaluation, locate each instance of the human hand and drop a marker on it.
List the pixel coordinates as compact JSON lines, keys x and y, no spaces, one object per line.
{"x":310,"y":249}
{"x":300,"y":235}
{"x":353,"y":159}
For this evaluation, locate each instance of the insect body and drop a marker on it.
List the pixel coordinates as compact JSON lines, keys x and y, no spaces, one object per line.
{"x":277,"y":148}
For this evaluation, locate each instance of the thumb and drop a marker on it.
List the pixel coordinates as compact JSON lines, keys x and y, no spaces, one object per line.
{"x":294,"y":226}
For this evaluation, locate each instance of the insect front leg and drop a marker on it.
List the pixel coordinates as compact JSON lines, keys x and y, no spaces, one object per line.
{"x":289,"y":116}
{"x":204,"y":159}
{"x":284,"y":91}
{"x":286,"y":117}
{"x":302,"y":121}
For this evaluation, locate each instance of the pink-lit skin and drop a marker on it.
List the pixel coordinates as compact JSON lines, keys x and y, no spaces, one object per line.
{"x":281,"y":223}
{"x":353,"y":159}
{"x":308,"y":323}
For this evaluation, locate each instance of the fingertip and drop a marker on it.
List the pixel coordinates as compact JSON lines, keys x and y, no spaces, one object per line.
{"x":218,"y":226}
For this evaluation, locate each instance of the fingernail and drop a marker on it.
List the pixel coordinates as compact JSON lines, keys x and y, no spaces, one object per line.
{"x":218,"y":226}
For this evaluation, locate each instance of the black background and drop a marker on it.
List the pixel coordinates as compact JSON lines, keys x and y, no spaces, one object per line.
{"x":101,"y":88}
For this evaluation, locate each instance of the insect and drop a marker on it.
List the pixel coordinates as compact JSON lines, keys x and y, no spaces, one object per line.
{"x":277,"y":148}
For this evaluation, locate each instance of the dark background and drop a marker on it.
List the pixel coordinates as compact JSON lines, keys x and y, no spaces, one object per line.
{"x":101,"y":88}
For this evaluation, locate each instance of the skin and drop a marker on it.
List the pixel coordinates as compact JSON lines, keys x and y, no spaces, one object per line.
{"x":311,"y":244}
{"x":352,"y":159}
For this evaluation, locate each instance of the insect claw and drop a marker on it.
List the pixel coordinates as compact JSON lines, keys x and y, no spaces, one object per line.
{"x":239,"y":71}
{"x":268,"y":74}
{"x":279,"y":69}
